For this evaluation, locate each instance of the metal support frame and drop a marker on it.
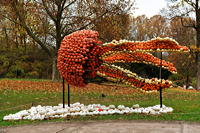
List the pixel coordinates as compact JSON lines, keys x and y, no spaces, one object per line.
{"x":63,"y":93}
{"x":68,"y":95}
{"x":160,"y":76}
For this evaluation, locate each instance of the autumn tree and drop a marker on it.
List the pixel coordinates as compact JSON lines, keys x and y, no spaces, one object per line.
{"x":20,"y":56}
{"x":147,"y":28}
{"x":184,"y":62}
{"x":114,"y":27}
{"x":59,"y":18}
{"x":185,"y":9}
{"x":183,"y":35}
{"x":138,"y":28}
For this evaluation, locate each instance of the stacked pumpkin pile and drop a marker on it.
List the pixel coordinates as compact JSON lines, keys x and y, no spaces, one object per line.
{"x":78,"y":57}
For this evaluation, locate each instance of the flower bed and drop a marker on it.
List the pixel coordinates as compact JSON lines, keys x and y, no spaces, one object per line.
{"x":77,"y":109}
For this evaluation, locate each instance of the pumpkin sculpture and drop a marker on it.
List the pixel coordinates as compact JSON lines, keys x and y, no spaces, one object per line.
{"x":82,"y":56}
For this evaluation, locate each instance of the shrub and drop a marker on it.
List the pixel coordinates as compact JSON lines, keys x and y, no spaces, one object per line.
{"x":33,"y":74}
{"x":15,"y":71}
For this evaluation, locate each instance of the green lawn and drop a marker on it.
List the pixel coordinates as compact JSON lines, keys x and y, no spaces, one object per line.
{"x":186,"y":104}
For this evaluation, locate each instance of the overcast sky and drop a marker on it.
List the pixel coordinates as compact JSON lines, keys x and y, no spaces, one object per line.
{"x":149,"y":7}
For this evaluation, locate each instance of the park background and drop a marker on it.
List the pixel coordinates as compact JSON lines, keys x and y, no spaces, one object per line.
{"x":31,"y":32}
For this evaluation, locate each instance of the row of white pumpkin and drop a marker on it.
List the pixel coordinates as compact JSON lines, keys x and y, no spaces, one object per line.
{"x":45,"y":112}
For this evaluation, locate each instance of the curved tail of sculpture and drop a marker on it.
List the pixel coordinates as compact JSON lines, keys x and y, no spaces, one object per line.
{"x":118,"y":74}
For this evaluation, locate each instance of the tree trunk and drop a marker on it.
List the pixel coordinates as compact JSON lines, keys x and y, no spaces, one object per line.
{"x":25,"y":45}
{"x":198,"y":43}
{"x":6,"y":35}
{"x":187,"y":81}
{"x":55,"y":74}
{"x":198,"y":59}
{"x":198,"y":72}
{"x":17,"y":43}
{"x":198,"y":55}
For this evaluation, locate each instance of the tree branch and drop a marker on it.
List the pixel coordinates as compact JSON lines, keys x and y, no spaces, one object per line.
{"x":189,"y":2}
{"x":48,"y":11}
{"x":63,"y":8}
{"x":28,"y":30}
{"x":189,"y":26}
{"x":10,"y":19}
{"x":86,"y":25}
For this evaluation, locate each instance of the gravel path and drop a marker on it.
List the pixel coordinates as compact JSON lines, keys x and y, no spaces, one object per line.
{"x":107,"y":127}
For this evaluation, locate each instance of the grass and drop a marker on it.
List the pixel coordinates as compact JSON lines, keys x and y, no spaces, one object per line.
{"x":16,"y":95}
